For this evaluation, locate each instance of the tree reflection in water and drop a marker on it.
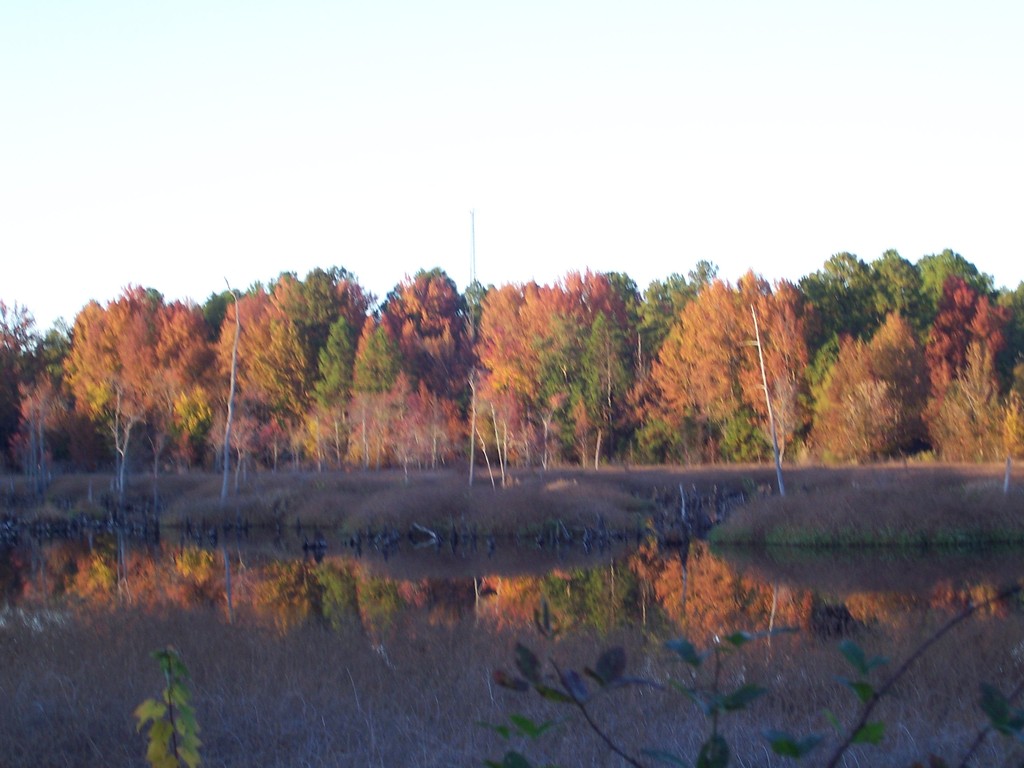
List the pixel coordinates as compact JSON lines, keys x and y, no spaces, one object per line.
{"x":695,"y":592}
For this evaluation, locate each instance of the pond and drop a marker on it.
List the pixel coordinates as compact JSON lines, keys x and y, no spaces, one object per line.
{"x":330,"y":653}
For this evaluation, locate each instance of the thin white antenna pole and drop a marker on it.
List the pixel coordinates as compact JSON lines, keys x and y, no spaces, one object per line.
{"x":472,"y":251}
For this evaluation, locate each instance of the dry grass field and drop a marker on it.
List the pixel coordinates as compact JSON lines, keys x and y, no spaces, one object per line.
{"x":316,"y":694}
{"x":318,"y":697}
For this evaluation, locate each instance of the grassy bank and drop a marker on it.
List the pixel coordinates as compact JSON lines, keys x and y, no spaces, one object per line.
{"x":890,"y":505}
{"x":930,"y":506}
{"x":355,"y":500}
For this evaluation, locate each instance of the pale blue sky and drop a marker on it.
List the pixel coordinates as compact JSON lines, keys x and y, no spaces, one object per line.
{"x":173,"y":144}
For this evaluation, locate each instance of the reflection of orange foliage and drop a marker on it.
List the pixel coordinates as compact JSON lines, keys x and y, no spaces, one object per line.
{"x":956,"y":597}
{"x":96,"y":580}
{"x":710,"y":597}
{"x":514,"y":600}
{"x":887,"y":608}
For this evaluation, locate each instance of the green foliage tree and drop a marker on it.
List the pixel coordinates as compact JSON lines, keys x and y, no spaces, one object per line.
{"x":335,"y":366}
{"x":17,"y":339}
{"x":842,"y":295}
{"x":605,"y":380}
{"x":898,"y":288}
{"x":377,"y":361}
{"x":937,"y":268}
{"x":664,"y":300}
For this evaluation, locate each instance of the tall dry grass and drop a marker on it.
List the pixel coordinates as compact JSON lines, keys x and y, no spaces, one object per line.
{"x":916,"y":506}
{"x":319,"y":697}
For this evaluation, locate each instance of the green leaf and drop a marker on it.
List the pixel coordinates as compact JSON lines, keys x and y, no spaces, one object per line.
{"x":527,"y":663}
{"x":855,"y":655}
{"x":159,"y":735}
{"x":833,"y":721}
{"x":529,"y":727}
{"x":553,"y":694}
{"x":505,"y":680}
{"x":189,"y":754}
{"x":1003,"y":717}
{"x":502,"y":730}
{"x":685,"y":650}
{"x":664,"y":757}
{"x":864,"y":690}
{"x":870,"y":733}
{"x":611,"y":665}
{"x":739,"y":639}
{"x":150,"y":709}
{"x":995,"y":705}
{"x":741,"y":697}
{"x":511,"y":760}
{"x":714,"y":753}
{"x":789,"y":746}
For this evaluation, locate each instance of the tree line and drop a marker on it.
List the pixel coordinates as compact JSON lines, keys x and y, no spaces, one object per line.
{"x":862,"y":362}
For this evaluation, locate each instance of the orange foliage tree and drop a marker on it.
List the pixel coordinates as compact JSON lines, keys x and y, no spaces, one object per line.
{"x":707,"y":371}
{"x":872,"y":398}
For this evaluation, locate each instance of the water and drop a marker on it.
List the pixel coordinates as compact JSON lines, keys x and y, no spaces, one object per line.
{"x":302,"y":576}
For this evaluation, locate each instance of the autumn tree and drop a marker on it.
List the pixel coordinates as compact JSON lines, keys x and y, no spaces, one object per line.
{"x":110,"y":366}
{"x":181,"y":383}
{"x":897,"y":359}
{"x":707,"y":370}
{"x":1013,"y":426}
{"x":427,"y":318}
{"x":966,"y":425}
{"x":662,"y":303}
{"x":964,"y":317}
{"x":871,"y":404}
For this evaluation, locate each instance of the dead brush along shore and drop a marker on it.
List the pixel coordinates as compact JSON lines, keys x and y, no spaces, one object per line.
{"x":348,"y":501}
{"x":929,"y":506}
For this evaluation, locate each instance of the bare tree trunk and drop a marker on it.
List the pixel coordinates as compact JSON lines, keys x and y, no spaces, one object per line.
{"x":497,"y":444}
{"x":597,"y":450}
{"x":231,"y":401}
{"x":472,"y":425}
{"x":544,"y":456}
{"x":768,"y":400}
{"x":483,"y":448}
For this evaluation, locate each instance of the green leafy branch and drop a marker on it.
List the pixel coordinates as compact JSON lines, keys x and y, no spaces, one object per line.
{"x":564,"y":686}
{"x":569,"y":687}
{"x":712,"y":700}
{"x":173,"y":737}
{"x":1001,"y":716}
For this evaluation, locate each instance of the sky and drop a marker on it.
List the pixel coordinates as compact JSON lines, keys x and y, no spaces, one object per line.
{"x":181,"y":145}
